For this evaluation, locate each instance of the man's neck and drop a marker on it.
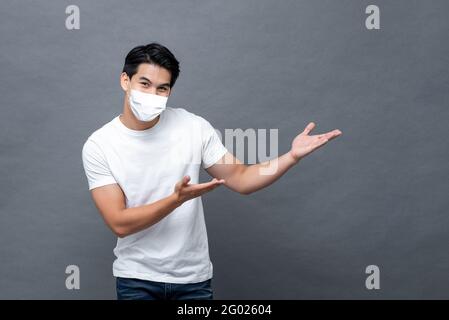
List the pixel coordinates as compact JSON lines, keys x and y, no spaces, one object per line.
{"x":130,"y":121}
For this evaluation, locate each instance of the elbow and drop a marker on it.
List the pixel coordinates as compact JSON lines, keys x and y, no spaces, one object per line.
{"x":120,"y":235}
{"x":245,"y":192}
{"x":120,"y":231}
{"x":119,"y":226}
{"x":240,"y":189}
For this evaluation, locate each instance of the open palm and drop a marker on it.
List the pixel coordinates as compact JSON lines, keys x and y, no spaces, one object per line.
{"x":303,"y":144}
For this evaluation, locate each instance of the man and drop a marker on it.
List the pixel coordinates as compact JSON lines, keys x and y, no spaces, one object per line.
{"x":143,"y":167}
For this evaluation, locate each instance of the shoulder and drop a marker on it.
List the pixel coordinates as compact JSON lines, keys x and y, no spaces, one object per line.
{"x":181,"y":112}
{"x":98,"y":137}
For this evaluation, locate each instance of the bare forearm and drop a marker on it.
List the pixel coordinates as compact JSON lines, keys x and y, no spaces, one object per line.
{"x":258,"y":176}
{"x":132,"y":220}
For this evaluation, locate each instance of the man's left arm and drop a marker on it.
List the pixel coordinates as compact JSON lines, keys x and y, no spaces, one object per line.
{"x":246,"y":179}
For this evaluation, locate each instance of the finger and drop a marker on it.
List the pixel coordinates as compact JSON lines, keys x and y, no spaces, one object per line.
{"x":309,"y":128}
{"x":217,"y":181}
{"x":319,"y":143}
{"x":209,"y":188}
{"x":196,"y":192}
{"x":185,"y":180}
{"x":206,"y":185}
{"x":333,"y":134}
{"x":213,"y":182}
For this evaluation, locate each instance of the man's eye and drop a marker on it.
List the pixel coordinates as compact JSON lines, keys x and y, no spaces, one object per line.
{"x":144,"y":84}
{"x":163,"y":89}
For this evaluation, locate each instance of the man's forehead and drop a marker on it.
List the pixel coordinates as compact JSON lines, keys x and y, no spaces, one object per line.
{"x":152,"y":71}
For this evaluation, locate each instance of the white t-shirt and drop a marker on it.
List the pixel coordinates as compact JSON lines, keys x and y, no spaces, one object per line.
{"x":147,"y":164}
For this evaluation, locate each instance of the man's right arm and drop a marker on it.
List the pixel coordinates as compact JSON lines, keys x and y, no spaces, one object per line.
{"x":110,"y":201}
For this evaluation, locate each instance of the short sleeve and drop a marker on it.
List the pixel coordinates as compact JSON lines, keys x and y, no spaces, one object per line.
{"x":212,"y":147}
{"x":95,"y":166}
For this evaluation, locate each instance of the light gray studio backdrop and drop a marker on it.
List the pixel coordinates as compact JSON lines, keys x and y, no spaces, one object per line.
{"x":377,"y":195}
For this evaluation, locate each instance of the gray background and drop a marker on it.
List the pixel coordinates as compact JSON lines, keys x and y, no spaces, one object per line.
{"x":376,"y":195}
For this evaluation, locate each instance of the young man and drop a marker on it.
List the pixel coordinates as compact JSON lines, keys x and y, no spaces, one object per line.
{"x":142,"y":169}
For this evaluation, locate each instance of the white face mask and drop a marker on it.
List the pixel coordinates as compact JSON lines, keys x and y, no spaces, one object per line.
{"x":146,"y":106}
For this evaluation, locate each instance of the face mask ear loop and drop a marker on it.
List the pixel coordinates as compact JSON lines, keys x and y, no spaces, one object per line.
{"x":128,"y":92}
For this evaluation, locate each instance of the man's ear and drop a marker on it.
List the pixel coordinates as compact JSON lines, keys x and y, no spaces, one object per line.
{"x":124,"y":81}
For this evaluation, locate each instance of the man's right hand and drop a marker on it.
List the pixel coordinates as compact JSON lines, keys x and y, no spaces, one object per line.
{"x":111,"y":202}
{"x":185,"y":191}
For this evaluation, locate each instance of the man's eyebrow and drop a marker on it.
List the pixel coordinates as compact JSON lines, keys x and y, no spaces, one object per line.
{"x":146,"y":79}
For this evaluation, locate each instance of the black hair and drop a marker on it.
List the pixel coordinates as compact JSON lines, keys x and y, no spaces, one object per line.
{"x":153,"y":53}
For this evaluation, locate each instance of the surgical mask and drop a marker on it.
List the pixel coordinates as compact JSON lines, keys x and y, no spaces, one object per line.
{"x":146,"y":106}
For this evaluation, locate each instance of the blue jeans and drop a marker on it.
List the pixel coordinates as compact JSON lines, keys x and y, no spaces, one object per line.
{"x":136,"y":289}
